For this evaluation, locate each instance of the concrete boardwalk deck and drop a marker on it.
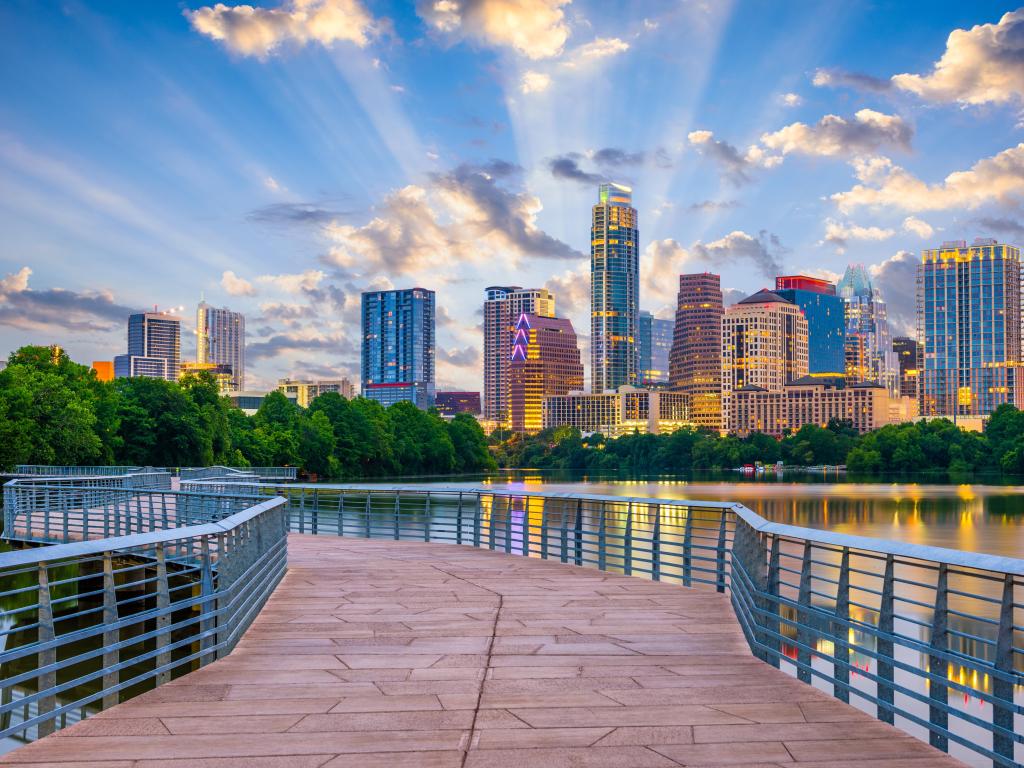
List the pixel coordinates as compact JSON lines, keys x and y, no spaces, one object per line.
{"x":381,"y":654}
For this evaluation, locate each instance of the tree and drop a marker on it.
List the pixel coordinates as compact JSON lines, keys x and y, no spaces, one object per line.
{"x":316,"y":444}
{"x":469,"y":444}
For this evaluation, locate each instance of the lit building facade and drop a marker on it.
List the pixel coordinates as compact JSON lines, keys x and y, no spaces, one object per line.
{"x":398,"y":346}
{"x":614,"y":289}
{"x":695,"y":360}
{"x":222,"y":374}
{"x":909,"y":357}
{"x":826,"y":321}
{"x":545,"y":361}
{"x":305,"y":392}
{"x":811,"y":400}
{"x":454,"y":403}
{"x":969,"y":319}
{"x":870,"y":356}
{"x":502,"y":307}
{"x":655,"y":345}
{"x":220,"y":339}
{"x":619,"y":413}
{"x":104,"y":369}
{"x":154,"y":347}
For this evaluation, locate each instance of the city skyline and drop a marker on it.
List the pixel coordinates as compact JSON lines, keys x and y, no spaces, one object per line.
{"x":283,"y":181}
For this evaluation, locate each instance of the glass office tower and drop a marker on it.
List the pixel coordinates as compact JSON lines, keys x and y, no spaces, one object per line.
{"x":614,"y":290}
{"x":398,"y":346}
{"x":869,"y":355}
{"x":654,"y":344}
{"x":220,"y":339}
{"x":826,"y":321}
{"x":695,"y":362}
{"x":154,"y":347}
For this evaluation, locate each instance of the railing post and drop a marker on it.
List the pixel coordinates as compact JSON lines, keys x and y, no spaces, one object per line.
{"x":688,"y":548}
{"x":804,"y":635}
{"x":426,"y":520}
{"x":458,"y":521}
{"x":526,"y":528}
{"x":490,"y":522}
{"x":341,"y":513}
{"x":369,"y":496}
{"x":627,"y":554}
{"x":656,"y":545}
{"x":508,"y":524}
{"x":110,"y":637}
{"x":602,"y":537}
{"x":563,"y":519}
{"x":938,"y":692}
{"x":773,"y":606}
{"x":1002,"y":689}
{"x":884,"y":645}
{"x":478,"y":513}
{"x":302,"y":509}
{"x":544,"y":529}
{"x":316,"y":511}
{"x":577,"y":533}
{"x":163,"y":619}
{"x":48,"y":657}
{"x":841,"y":632}
{"x":398,"y":501}
{"x":720,"y":563}
{"x":207,"y":620}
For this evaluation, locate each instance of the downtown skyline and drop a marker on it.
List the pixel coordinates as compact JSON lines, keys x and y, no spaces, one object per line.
{"x":403,"y":148}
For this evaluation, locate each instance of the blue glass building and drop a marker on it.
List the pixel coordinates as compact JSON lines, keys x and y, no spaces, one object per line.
{"x":654,"y":344}
{"x":398,"y":346}
{"x":826,"y":321}
{"x":154,"y":347}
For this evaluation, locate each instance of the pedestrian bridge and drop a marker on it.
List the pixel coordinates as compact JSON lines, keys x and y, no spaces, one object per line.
{"x":248,"y":623}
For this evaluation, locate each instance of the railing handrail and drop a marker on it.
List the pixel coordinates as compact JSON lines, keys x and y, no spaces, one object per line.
{"x":975,"y":560}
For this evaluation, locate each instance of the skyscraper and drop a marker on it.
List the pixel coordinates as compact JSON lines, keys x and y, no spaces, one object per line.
{"x":220,"y":339}
{"x":764,"y":345}
{"x":545,"y":361}
{"x":398,"y":346}
{"x":869,"y":352}
{"x":908,"y":354}
{"x":154,"y":347}
{"x":654,"y":344}
{"x":614,"y":289}
{"x":969,"y":319}
{"x":695,"y":361}
{"x":502,"y":307}
{"x":826,"y":320}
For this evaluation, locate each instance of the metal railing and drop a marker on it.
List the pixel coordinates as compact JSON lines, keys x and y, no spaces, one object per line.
{"x":53,"y":470}
{"x":239,"y":473}
{"x":926,"y":638}
{"x":89,"y":623}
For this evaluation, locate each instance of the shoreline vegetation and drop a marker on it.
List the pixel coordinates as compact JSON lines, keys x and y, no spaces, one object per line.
{"x":55,"y":411}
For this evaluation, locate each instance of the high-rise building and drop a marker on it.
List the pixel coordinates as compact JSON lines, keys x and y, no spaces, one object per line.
{"x":614,"y":289}
{"x":453,"y":403}
{"x":154,"y":347}
{"x":398,"y":346}
{"x":695,"y":361}
{"x":764,"y":345}
{"x":969,"y":319}
{"x":220,"y":339}
{"x":908,"y":354}
{"x":305,"y":392}
{"x":869,"y":355}
{"x":502,"y":307}
{"x":545,"y":361}
{"x":654,"y":344}
{"x":826,"y":320}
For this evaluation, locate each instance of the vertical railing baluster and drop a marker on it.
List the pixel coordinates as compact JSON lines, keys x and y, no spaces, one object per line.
{"x":458,"y":521}
{"x":490,"y":521}
{"x":804,"y":635}
{"x":315,"y":501}
{"x":627,"y":554}
{"x":526,"y":527}
{"x":841,"y":632}
{"x":1002,"y":688}
{"x":478,"y":514}
{"x":773,"y":604}
{"x":369,"y":496}
{"x":938,"y":691}
{"x":577,"y":533}
{"x":398,"y":502}
{"x":111,"y":637}
{"x":563,"y":541}
{"x":208,"y":607}
{"x":884,"y":646}
{"x":543,"y":528}
{"x":508,"y":524}
{"x":163,"y":619}
{"x":602,"y":537}
{"x":47,"y":657}
{"x":426,"y":519}
{"x":656,"y":545}
{"x":302,"y":509}
{"x":688,"y":548}
{"x":720,"y":559}
{"x":341,"y":512}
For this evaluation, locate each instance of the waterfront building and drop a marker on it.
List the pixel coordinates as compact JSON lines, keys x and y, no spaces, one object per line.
{"x":969,"y":320}
{"x":545,"y":361}
{"x":695,"y":360}
{"x":623,"y":412}
{"x":826,"y":321}
{"x":453,"y":403}
{"x":154,"y":347}
{"x":398,"y":346}
{"x":655,"y":346}
{"x":220,"y":339}
{"x":503,"y":304}
{"x":869,"y":356}
{"x":811,"y":400}
{"x":764,"y":344}
{"x":305,"y":392}
{"x":614,"y":289}
{"x":104,"y":369}
{"x":222,"y":374}
{"x":909,"y":357}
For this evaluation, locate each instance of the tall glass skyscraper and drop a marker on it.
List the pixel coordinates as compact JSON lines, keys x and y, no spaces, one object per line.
{"x":220,"y":339}
{"x":695,"y":362}
{"x":826,"y":320}
{"x":614,"y":290}
{"x":398,"y":346}
{"x":869,"y":355}
{"x":654,"y":344}
{"x":969,"y":319}
{"x":154,"y":347}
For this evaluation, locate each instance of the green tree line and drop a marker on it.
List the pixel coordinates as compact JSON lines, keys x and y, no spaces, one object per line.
{"x":935,"y":446}
{"x":55,"y":411}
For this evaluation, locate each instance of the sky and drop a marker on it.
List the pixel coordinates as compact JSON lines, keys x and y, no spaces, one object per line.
{"x":279,"y":158}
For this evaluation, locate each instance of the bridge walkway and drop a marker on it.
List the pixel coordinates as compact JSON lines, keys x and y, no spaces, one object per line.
{"x":385,"y":654}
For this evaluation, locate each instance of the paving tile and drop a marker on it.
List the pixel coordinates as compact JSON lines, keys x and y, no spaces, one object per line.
{"x":594,"y":757}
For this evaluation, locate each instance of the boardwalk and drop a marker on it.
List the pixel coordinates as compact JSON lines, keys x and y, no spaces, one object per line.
{"x":381,"y":654}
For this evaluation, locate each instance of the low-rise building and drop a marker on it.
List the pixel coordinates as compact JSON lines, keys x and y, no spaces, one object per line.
{"x":618,"y":413}
{"x":250,"y":401}
{"x":453,"y":403}
{"x":221,"y":372}
{"x":305,"y":392}
{"x":104,"y":369}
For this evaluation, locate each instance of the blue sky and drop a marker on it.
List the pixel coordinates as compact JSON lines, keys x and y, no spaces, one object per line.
{"x":278,"y":159}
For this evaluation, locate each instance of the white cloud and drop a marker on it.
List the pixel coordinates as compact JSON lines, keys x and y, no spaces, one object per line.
{"x":252,"y":31}
{"x":920,"y":228}
{"x":839,"y":233}
{"x":791,"y":99}
{"x":272,"y":184}
{"x":535,"y":29}
{"x":735,"y":164}
{"x":834,"y":135}
{"x":980,"y":65}
{"x":16,"y":282}
{"x":883,"y":184}
{"x":293,"y":283}
{"x":534,"y":82}
{"x":598,"y":48}
{"x":235,"y":285}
